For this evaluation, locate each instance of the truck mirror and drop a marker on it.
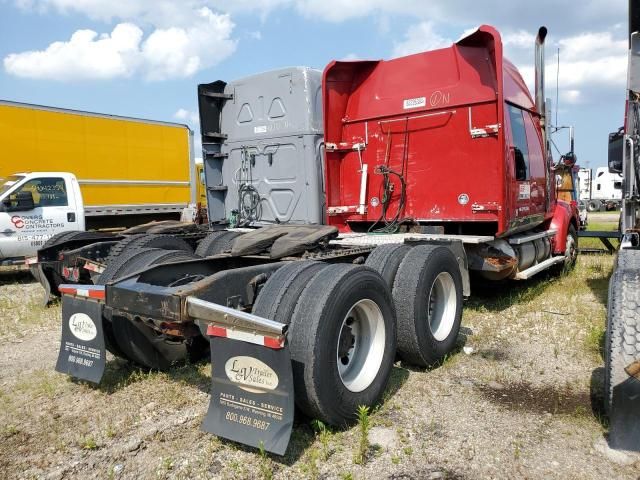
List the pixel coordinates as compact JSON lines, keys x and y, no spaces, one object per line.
{"x":569,"y":159}
{"x":615,"y":151}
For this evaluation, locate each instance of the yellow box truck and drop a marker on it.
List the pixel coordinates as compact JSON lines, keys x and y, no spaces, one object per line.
{"x":125,"y":166}
{"x":70,"y":170}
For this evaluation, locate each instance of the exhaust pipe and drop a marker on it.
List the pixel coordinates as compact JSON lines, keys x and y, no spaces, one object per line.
{"x":634,"y":18}
{"x":540,"y":97}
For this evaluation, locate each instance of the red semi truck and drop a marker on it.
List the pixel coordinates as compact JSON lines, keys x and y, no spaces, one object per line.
{"x":436,"y":165}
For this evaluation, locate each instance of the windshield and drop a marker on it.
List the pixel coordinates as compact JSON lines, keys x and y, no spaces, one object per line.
{"x":9,"y":182}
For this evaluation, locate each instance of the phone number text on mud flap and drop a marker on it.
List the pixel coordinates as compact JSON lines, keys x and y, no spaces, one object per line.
{"x":79,"y":351}
{"x":80,"y":361}
{"x":248,"y":421}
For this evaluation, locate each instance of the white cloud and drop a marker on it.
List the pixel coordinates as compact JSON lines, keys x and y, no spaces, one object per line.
{"x":192,"y":119}
{"x":159,"y":13}
{"x":184,"y":115}
{"x":337,"y":11}
{"x":85,"y":56}
{"x":592,"y":45}
{"x":519,"y":39}
{"x":572,"y":97}
{"x":588,"y":62}
{"x":419,"y":38}
{"x":350,"y":57}
{"x":172,"y":52}
{"x":181,"y":52}
{"x":561,"y":16}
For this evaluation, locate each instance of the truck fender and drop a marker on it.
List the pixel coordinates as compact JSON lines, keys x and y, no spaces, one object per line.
{"x":562,"y":218}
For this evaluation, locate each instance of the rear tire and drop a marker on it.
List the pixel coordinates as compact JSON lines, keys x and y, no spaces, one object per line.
{"x":278,"y":298}
{"x":59,"y":238}
{"x":342,"y":342}
{"x":166,"y":242}
{"x":136,"y":341}
{"x":132,"y":260}
{"x":571,"y":250}
{"x":151,"y":349}
{"x":427,"y":294}
{"x":216,"y":243}
{"x":385,"y":259}
{"x":622,"y":337}
{"x":594,"y":206}
{"x":628,"y":260}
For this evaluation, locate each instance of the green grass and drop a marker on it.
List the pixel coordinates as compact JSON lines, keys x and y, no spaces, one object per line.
{"x":606,"y":225}
{"x":603,"y":226}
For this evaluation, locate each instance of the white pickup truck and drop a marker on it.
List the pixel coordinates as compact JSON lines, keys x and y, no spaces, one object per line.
{"x":38,"y":205}
{"x":33,"y":208}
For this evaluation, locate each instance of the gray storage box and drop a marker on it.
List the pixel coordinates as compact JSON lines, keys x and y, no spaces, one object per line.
{"x":269,"y":167}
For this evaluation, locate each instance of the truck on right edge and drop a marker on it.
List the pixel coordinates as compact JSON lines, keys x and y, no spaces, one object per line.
{"x":600,"y":191}
{"x":622,"y":338}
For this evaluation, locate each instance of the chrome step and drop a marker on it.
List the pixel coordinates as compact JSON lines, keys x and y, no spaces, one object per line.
{"x":537,"y":268}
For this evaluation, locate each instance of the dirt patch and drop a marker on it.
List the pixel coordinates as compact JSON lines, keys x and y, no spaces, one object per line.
{"x":494,"y":354}
{"x":526,"y":397}
{"x":514,"y":404}
{"x":427,"y":474}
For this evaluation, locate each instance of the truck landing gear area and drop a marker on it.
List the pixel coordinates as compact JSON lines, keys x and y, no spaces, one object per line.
{"x":314,"y":315}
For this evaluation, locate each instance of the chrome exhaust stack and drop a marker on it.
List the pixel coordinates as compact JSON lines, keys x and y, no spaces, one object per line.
{"x":539,"y":66}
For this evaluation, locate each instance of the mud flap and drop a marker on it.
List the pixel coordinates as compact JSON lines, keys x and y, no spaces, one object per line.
{"x":82,"y":351}
{"x":38,"y":274}
{"x":624,"y":424}
{"x":252,"y":398}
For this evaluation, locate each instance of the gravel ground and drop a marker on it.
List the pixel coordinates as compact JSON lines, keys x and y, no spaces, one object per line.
{"x":520,"y":398}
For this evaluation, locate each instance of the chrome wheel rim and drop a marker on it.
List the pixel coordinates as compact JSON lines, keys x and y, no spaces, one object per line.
{"x":360,"y":346}
{"x":442,"y":304}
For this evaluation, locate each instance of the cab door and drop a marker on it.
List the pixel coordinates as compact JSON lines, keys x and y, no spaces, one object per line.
{"x":537,"y":165}
{"x":32,"y":213}
{"x":524,"y":212}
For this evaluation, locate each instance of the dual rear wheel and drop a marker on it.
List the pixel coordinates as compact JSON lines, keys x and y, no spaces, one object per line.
{"x":427,"y":294}
{"x":342,"y":335}
{"x":346,"y":321}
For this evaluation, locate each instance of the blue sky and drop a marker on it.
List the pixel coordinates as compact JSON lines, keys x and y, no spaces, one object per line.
{"x":145,"y":57}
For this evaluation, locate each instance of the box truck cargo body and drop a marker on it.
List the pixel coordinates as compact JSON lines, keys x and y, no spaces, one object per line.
{"x":66,"y":170}
{"x":122,"y":164}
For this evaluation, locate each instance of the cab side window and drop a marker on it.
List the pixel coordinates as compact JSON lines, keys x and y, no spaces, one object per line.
{"x":47,"y":192}
{"x":519,"y":142}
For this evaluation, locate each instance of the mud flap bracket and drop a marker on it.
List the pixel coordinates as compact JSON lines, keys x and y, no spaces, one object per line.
{"x":39,"y":275}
